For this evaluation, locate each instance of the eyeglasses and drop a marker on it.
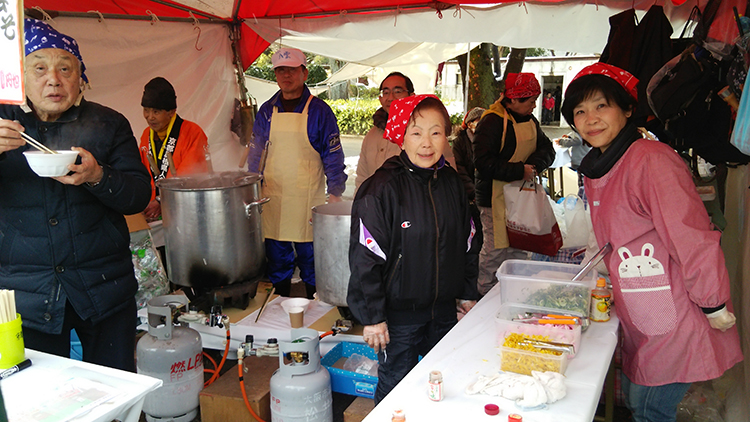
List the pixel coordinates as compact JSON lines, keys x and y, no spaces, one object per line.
{"x":395,"y":91}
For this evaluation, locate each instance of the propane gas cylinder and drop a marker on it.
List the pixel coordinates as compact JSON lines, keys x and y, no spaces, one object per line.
{"x":301,"y":387}
{"x":173,"y":354}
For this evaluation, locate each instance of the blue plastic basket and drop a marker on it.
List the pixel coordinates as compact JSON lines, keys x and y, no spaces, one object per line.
{"x":348,"y":382}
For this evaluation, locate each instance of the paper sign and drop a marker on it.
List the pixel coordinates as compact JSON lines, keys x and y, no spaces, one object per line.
{"x":12,"y":52}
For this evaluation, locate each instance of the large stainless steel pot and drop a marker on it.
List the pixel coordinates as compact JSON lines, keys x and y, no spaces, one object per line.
{"x":331,"y":226}
{"x":212,"y":228}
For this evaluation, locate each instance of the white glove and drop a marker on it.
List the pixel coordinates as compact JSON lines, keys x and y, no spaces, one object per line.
{"x":376,"y":336}
{"x":721,"y":319}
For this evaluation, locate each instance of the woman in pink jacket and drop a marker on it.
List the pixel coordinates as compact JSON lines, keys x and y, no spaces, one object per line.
{"x":670,"y":283}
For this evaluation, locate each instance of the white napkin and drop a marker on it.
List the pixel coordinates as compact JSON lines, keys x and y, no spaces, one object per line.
{"x":527,"y":391}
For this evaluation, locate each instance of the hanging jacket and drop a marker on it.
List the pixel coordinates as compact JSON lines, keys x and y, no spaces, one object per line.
{"x":640,"y":49}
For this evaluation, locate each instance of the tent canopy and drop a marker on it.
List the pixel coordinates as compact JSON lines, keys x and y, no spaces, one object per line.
{"x":529,"y":24}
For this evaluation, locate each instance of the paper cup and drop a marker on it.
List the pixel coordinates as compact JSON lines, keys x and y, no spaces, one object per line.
{"x":11,"y":343}
{"x":297,"y":317}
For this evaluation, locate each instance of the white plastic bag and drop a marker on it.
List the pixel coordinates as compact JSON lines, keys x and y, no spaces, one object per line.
{"x":529,"y":219}
{"x":577,"y":231}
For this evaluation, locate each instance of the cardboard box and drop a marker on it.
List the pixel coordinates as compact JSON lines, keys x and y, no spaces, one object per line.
{"x":348,"y":382}
{"x":222,"y":401}
{"x":136,"y":222}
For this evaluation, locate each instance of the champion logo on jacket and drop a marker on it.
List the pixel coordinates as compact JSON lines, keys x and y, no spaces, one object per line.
{"x":366,"y":240}
{"x":471,"y":235}
{"x":406,"y":224}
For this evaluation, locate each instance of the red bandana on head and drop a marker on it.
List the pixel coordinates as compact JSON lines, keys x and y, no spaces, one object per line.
{"x":622,"y":77}
{"x":399,"y":116}
{"x":521,"y":85}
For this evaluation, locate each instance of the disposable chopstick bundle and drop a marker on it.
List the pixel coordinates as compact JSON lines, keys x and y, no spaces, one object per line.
{"x":7,"y":306}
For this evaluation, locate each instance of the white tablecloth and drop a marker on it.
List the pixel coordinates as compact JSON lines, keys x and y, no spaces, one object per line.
{"x":32,"y":387}
{"x":470,"y":349}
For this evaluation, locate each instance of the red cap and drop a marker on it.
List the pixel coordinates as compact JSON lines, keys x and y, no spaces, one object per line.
{"x":513,"y":417}
{"x":491,"y":409}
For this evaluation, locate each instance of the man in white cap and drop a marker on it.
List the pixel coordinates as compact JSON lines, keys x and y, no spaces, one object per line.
{"x":296,"y":146}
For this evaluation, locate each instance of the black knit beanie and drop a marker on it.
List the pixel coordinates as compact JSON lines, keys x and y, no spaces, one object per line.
{"x":159,"y":94}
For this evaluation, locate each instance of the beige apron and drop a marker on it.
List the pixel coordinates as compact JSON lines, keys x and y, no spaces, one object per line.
{"x":293,"y":177}
{"x":525,"y":146}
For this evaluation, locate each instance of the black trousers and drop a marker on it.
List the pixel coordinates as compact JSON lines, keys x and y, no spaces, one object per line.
{"x":109,"y":343}
{"x":408,"y":342}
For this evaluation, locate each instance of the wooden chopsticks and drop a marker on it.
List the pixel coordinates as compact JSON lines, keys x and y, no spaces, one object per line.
{"x":7,"y":306}
{"x":265,"y":302}
{"x":36,"y":144}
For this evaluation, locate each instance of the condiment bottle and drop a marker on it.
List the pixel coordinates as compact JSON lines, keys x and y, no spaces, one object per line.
{"x":435,"y":387}
{"x":600,"y":301}
{"x":398,"y":416}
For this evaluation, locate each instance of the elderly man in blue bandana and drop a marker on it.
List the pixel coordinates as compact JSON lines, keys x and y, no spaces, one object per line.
{"x":64,"y":243}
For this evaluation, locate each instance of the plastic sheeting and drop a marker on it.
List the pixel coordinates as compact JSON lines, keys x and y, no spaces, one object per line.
{"x":360,"y":38}
{"x":122,"y":56}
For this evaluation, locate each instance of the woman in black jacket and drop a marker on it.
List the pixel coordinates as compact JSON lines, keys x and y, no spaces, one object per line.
{"x":413,"y":249}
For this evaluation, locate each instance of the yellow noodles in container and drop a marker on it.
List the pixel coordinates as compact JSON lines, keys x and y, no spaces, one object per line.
{"x":522,"y":359}
{"x":570,"y":334}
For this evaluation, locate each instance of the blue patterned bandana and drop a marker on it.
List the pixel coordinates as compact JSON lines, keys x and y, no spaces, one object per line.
{"x":40,"y":35}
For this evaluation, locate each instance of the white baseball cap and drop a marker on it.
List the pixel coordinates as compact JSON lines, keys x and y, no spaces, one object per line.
{"x":290,"y":57}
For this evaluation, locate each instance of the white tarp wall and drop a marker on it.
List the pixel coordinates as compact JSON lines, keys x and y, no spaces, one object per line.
{"x":572,"y":27}
{"x":121,"y":56}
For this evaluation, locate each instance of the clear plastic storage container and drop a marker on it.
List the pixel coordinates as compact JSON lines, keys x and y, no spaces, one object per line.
{"x":569,"y":334}
{"x":524,"y":361}
{"x":546,"y":285}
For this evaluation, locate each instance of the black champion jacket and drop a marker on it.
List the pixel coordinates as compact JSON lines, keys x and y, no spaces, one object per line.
{"x":414,"y":246}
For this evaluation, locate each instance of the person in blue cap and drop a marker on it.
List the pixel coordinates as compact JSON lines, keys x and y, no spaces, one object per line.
{"x":64,"y":243}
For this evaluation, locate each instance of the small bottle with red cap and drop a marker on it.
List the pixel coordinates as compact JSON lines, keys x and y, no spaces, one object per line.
{"x":398,"y":416}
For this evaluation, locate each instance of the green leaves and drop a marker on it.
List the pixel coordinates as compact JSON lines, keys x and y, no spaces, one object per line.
{"x":354,"y":117}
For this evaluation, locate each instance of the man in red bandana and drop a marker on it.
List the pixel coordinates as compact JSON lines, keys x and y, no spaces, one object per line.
{"x":509,"y":145}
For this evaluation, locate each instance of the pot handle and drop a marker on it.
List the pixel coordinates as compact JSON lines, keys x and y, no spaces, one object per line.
{"x":258,"y":203}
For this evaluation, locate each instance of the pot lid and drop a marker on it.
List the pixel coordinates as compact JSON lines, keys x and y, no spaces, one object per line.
{"x":209,"y":181}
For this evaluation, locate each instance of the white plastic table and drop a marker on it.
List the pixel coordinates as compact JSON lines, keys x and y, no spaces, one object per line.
{"x":33,"y":387}
{"x":470,"y":349}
